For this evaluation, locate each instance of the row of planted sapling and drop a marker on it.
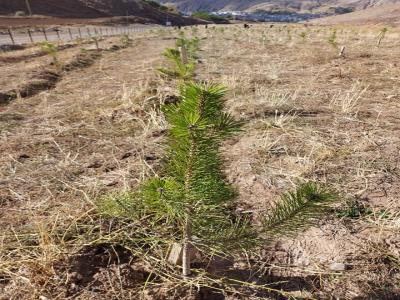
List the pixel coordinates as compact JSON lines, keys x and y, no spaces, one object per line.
{"x":184,"y":217}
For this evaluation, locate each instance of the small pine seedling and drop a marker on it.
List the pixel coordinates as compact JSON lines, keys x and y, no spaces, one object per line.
{"x":182,"y":58}
{"x":192,"y":197}
{"x":51,"y":49}
{"x":192,"y":46}
{"x":126,"y":41}
{"x":381,"y":35}
{"x":332,"y":39}
{"x":303,"y":36}
{"x":180,"y":68}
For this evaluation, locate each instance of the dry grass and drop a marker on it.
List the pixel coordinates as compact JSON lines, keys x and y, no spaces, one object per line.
{"x":308,"y":114}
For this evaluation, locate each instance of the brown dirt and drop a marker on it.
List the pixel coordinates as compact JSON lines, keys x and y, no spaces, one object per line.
{"x":309,"y":115}
{"x":44,"y":78}
{"x":14,"y":57}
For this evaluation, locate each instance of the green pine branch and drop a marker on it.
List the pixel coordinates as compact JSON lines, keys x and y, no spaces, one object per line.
{"x":298,"y":209}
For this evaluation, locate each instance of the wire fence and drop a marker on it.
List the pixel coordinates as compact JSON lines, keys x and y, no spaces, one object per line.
{"x":36,"y":35}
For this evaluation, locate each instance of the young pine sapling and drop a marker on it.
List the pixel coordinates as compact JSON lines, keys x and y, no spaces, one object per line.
{"x":51,"y":50}
{"x":381,"y":35}
{"x":182,"y":58}
{"x":191,"y":195}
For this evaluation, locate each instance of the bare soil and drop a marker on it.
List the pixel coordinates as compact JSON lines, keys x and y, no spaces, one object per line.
{"x":309,"y":115}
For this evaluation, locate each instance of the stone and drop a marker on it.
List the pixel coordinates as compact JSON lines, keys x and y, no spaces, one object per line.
{"x":175,"y":254}
{"x":337,"y":267}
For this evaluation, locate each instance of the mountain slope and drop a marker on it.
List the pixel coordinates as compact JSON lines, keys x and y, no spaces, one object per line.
{"x":293,"y":5}
{"x":56,"y":8}
{"x":385,"y":14}
{"x":92,"y":9}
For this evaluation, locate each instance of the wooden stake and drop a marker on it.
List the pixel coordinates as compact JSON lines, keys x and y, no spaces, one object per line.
{"x":175,"y":254}
{"x":70,"y":34}
{"x":58,"y":34}
{"x":11,"y":35}
{"x":341,"y":54}
{"x":381,"y":36}
{"x":97,"y":43}
{"x":79,"y":31}
{"x":45,"y":34}
{"x":184,"y":55}
{"x":30,"y":36}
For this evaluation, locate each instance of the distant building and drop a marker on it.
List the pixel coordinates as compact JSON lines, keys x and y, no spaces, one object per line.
{"x":265,"y":16}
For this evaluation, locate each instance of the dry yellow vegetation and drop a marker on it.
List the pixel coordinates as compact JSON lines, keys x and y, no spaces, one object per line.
{"x":309,"y":115}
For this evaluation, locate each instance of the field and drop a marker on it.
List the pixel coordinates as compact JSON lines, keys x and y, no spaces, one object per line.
{"x":308,"y":115}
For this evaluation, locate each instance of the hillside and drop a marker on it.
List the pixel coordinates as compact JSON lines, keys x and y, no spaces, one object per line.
{"x":387,"y":14}
{"x":269,"y":5}
{"x":92,"y":9}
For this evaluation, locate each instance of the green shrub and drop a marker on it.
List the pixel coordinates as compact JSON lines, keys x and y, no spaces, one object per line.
{"x":209,"y":17}
{"x":156,"y":5}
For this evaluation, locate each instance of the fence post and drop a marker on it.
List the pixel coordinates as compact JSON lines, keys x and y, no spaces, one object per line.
{"x":11,"y":35}
{"x":96,"y":41}
{"x":30,"y":36}
{"x":79,"y":31}
{"x":70,"y":34}
{"x":58,"y":34}
{"x":44,"y":33}
{"x":88,"y":32}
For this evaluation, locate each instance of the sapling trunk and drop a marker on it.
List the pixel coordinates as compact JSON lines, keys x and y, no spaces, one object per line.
{"x":187,"y":245}
{"x":187,"y":231}
{"x":184,"y":55}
